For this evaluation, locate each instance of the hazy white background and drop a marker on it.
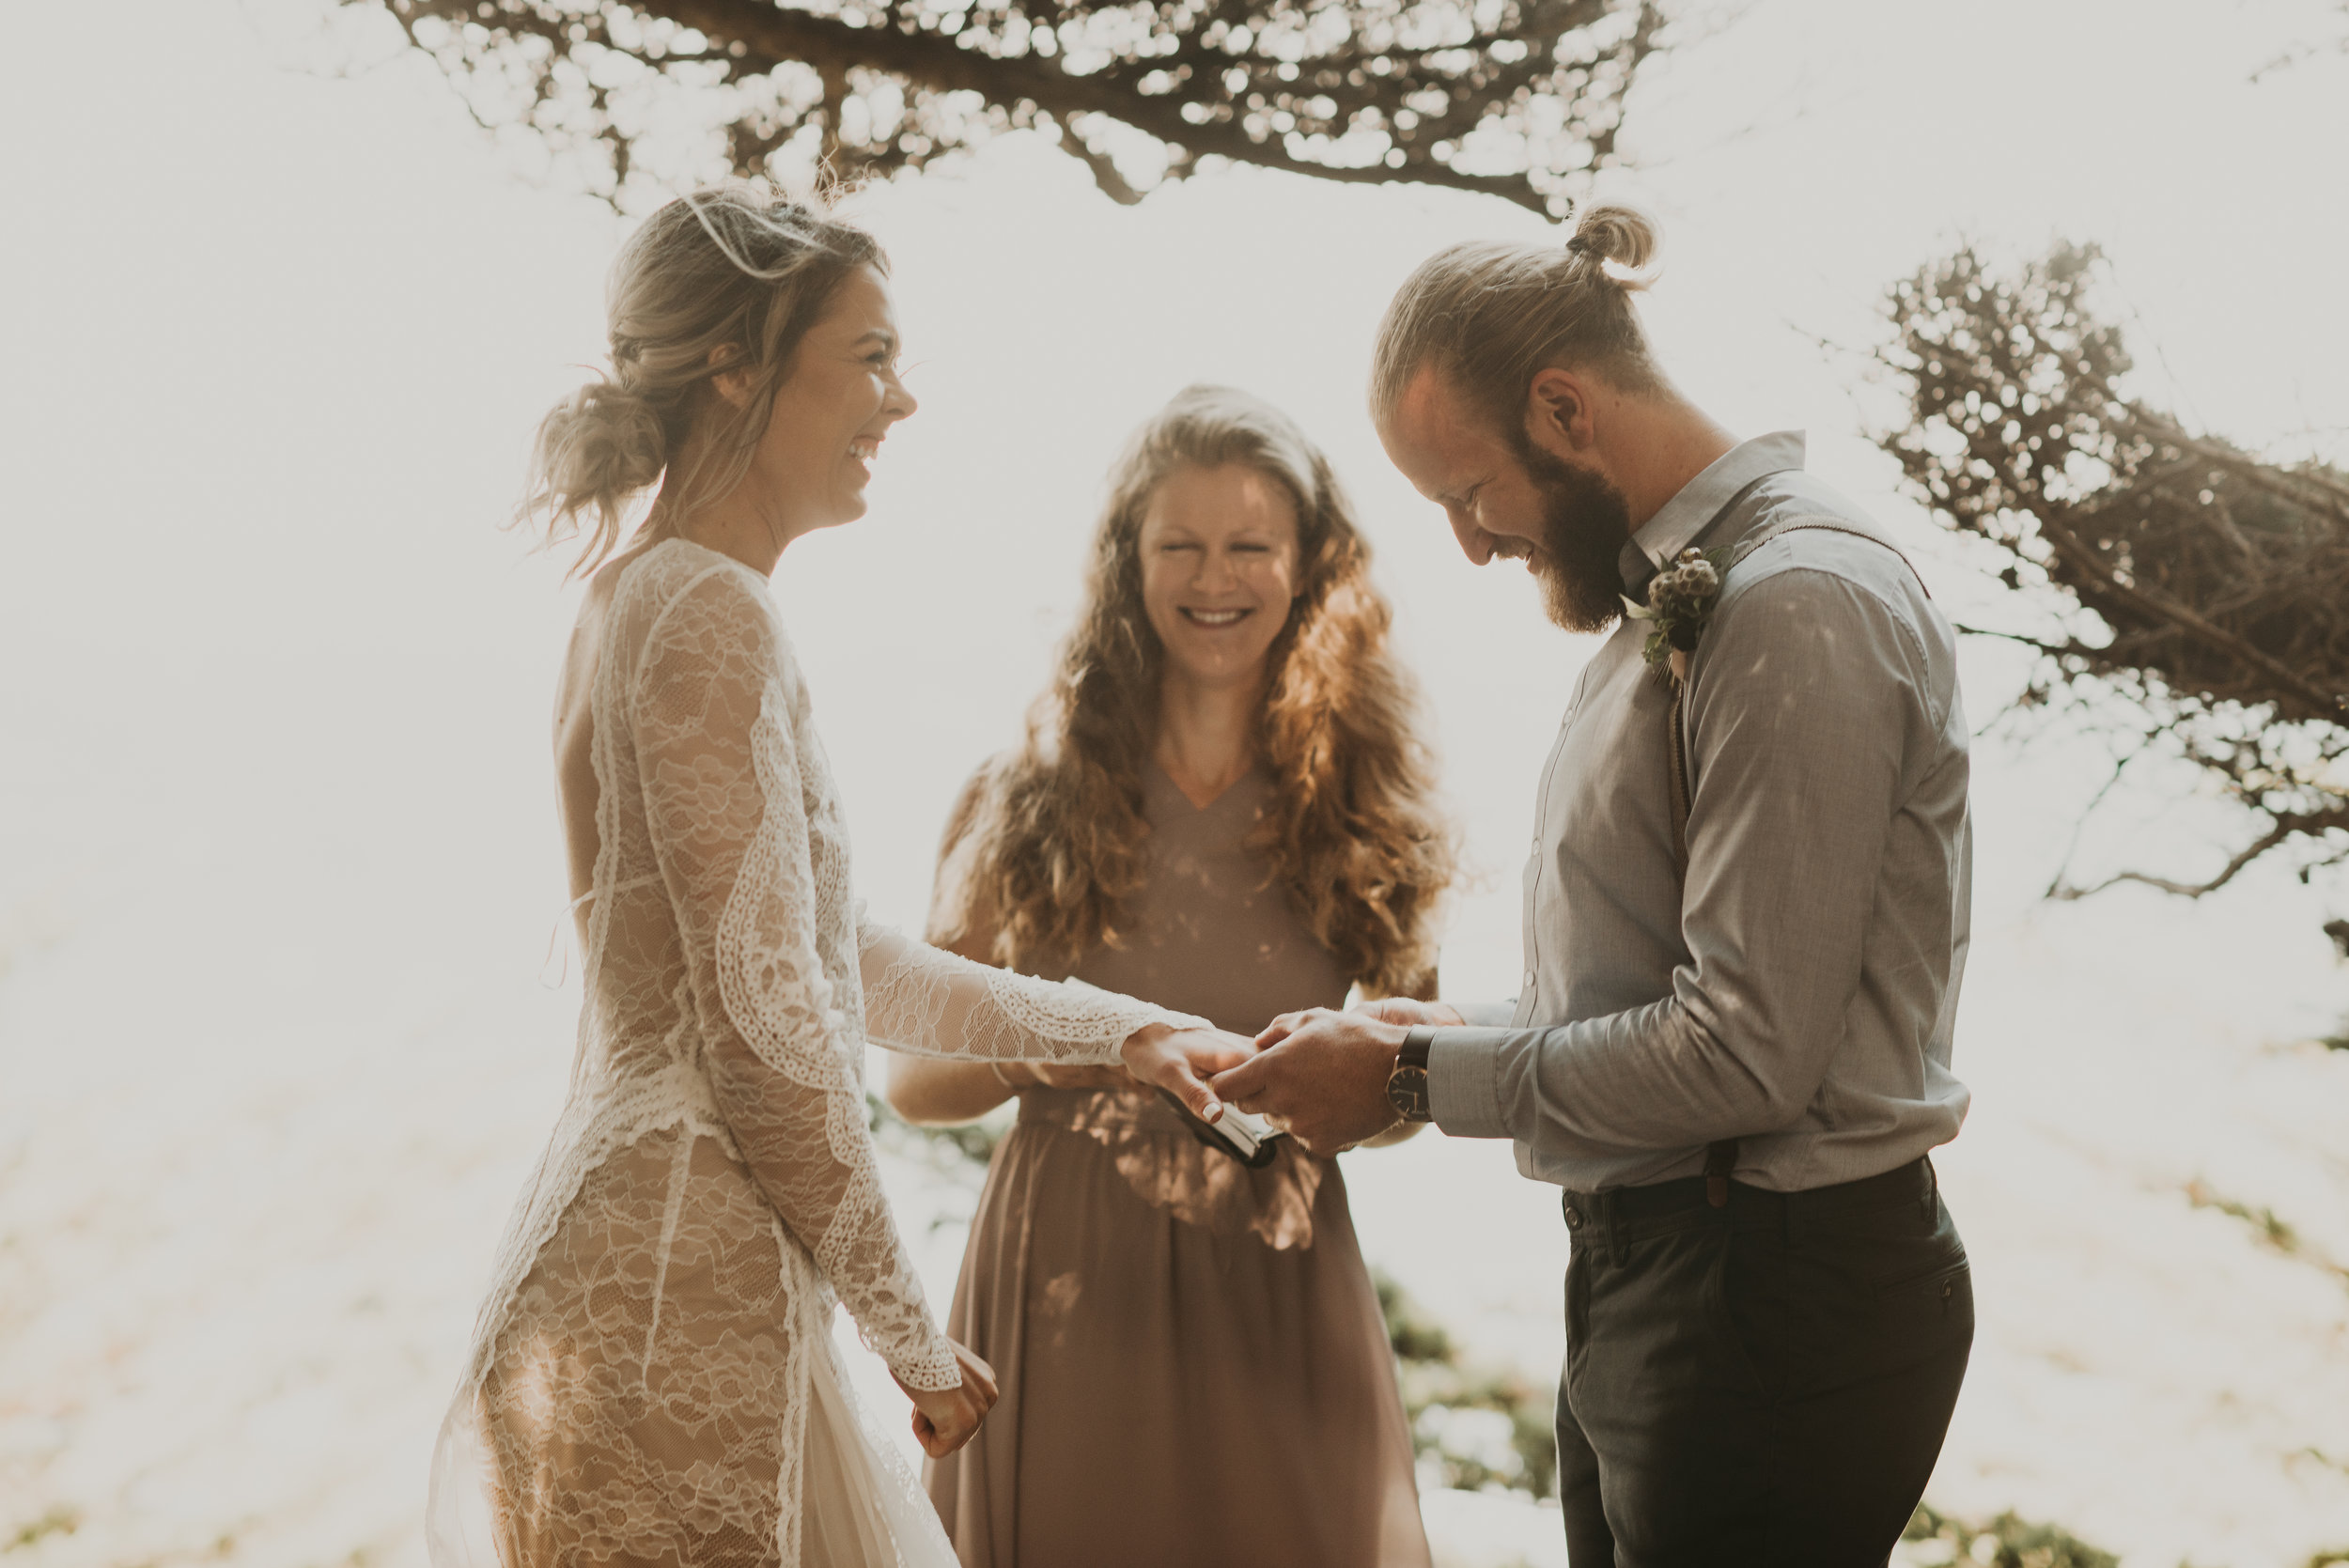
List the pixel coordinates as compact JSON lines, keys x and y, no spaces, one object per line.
{"x":279,"y":1032}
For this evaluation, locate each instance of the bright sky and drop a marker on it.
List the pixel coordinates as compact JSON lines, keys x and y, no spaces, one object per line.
{"x":275,"y":804}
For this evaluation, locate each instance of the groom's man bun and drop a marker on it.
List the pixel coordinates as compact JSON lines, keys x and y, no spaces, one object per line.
{"x":1488,"y":314}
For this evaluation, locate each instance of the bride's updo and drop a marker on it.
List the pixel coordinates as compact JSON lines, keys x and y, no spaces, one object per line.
{"x":1490,"y":314}
{"x":731,"y":273}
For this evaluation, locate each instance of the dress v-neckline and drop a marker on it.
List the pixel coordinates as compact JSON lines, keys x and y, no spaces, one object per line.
{"x":1183,"y":796}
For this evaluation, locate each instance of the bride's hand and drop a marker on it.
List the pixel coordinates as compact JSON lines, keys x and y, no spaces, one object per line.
{"x":1180,"y":1061}
{"x":945,"y":1419}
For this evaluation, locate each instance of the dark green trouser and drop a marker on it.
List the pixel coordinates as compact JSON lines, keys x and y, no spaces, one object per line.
{"x":1759,"y":1384}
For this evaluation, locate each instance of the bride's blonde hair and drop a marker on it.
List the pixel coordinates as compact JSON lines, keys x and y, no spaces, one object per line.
{"x":730,"y":277}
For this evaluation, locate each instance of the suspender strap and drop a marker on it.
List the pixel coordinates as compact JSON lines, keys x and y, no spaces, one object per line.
{"x":1720,"y":1160}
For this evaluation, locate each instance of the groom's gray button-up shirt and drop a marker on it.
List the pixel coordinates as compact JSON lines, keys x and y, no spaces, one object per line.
{"x":1800,"y":998}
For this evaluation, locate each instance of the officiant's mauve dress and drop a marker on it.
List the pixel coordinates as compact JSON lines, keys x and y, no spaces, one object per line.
{"x":1193,"y":1366}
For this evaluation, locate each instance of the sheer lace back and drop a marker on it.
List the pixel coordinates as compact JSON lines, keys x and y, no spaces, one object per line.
{"x":656,"y":1336}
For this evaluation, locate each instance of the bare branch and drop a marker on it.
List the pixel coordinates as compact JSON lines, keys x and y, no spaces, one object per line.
{"x":1361,"y":91}
{"x":2211,"y":584}
{"x":2250,"y":852}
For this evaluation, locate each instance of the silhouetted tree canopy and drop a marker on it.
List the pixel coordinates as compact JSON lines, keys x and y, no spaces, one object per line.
{"x":1516,"y":99}
{"x":2204,"y":592}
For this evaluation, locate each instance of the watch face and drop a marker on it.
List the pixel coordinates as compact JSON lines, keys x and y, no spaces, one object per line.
{"x":1406,"y":1092}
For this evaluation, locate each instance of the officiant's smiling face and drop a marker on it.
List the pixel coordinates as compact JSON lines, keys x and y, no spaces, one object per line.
{"x":1219,"y":568}
{"x":1524,"y":499}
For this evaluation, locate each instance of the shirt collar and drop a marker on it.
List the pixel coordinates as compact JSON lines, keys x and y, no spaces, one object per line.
{"x":1683,"y":520}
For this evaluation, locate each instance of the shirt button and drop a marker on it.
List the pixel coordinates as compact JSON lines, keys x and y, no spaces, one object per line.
{"x":1537,"y":844}
{"x":1529,"y":980}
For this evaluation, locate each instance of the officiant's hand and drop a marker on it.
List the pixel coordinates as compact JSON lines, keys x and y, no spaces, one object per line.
{"x":1180,"y":1060}
{"x":1406,"y":1011}
{"x":1323,"y":1075}
{"x":946,"y":1419}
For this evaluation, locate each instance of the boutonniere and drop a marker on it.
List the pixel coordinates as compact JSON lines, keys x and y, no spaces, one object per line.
{"x":1680,"y":601}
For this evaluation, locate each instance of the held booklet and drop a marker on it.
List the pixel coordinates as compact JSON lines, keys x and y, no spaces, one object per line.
{"x":1247,"y":1139}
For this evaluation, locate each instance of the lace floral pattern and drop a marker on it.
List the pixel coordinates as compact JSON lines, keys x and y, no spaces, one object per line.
{"x":656,"y":1333}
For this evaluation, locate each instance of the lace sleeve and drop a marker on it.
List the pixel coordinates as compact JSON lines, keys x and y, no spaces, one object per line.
{"x":726,"y":804}
{"x":925,"y":1002}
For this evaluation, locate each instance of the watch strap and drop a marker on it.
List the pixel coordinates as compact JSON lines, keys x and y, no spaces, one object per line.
{"x":1417,"y":1042}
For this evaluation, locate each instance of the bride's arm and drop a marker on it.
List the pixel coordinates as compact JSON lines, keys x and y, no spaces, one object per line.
{"x":723,"y":792}
{"x":935,"y":1090}
{"x":930,"y":1090}
{"x":920,"y":999}
{"x":924,"y":1001}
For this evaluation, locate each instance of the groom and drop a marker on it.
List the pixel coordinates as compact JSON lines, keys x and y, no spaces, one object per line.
{"x":1732,"y":1043}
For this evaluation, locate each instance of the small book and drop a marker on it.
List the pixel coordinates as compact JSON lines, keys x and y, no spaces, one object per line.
{"x":1247,"y":1139}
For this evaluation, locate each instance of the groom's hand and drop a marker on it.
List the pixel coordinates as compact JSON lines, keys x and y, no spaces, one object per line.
{"x":1323,"y":1075}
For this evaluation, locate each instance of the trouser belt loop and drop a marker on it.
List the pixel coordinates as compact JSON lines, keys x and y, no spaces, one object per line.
{"x":1618,"y":1250}
{"x":1932,"y":1200}
{"x":1720,"y":1160}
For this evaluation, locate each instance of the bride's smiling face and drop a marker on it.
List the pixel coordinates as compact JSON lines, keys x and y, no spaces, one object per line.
{"x":1219,"y":568}
{"x":833,"y":411}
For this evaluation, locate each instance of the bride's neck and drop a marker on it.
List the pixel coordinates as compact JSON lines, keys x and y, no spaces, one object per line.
{"x":742,"y":523}
{"x":1207,"y":740}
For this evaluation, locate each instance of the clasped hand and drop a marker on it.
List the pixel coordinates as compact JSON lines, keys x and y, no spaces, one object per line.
{"x":1322,"y":1073}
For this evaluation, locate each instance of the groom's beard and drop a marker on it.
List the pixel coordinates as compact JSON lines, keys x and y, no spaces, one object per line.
{"x":1585,"y":521}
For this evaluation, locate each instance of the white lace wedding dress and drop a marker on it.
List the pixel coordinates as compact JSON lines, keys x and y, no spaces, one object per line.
{"x":652,"y":1379}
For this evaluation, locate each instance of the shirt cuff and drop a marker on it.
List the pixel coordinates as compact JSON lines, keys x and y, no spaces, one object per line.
{"x":1464,"y":1081}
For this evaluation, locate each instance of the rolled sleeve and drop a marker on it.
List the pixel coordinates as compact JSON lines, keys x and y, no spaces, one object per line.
{"x":1464,"y":1081}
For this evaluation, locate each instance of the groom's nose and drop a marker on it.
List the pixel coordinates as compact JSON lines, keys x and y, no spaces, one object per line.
{"x":1476,"y":543}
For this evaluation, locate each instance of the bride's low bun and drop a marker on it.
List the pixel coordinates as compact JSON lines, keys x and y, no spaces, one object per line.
{"x":1621,"y":234}
{"x":595,"y":451}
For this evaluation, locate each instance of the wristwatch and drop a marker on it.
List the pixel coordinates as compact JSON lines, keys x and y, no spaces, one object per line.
{"x":1407,"y":1086}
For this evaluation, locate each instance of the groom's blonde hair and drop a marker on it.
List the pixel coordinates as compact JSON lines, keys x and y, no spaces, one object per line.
{"x":1489,"y":315}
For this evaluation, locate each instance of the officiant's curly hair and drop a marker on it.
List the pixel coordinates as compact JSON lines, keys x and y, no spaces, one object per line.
{"x":731,"y":277}
{"x":1052,"y":840}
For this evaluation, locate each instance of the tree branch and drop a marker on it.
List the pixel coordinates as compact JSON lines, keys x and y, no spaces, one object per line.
{"x":1372,"y":98}
{"x":2330,"y":703}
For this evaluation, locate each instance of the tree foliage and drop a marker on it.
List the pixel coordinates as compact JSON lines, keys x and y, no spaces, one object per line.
{"x":1518,"y":98}
{"x":1475,"y":1426}
{"x":2203,"y":591}
{"x":2005,"y":1542}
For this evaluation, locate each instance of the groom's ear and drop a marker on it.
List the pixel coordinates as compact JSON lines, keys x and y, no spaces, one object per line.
{"x":1558,"y":411}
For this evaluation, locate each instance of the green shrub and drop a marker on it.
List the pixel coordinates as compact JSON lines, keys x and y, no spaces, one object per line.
{"x":2006,"y":1542}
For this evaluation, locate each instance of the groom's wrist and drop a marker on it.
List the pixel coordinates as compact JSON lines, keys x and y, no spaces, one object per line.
{"x":1464,"y":1080}
{"x":1407,"y":1083}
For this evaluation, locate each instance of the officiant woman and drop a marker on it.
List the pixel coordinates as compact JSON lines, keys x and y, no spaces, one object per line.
{"x":1221,"y":807}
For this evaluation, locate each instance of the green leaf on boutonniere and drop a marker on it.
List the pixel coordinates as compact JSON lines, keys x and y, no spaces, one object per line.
{"x":1680,"y":601}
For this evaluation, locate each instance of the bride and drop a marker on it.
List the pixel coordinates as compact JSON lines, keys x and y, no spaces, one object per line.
{"x":652,"y":1379}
